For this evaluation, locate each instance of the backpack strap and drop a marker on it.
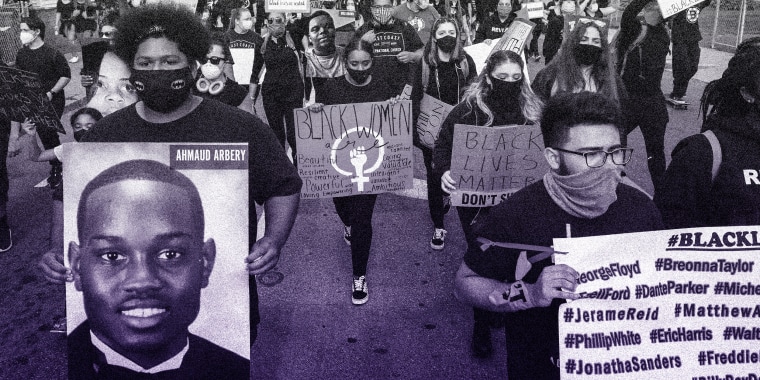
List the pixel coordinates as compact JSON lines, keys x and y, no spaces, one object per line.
{"x":717,"y":153}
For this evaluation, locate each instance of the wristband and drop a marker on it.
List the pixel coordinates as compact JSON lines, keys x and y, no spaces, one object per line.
{"x":515,"y":298}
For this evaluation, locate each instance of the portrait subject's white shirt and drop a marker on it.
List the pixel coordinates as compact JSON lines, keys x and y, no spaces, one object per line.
{"x":115,"y":358}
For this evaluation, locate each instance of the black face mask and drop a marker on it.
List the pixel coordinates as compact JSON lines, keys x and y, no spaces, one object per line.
{"x":504,"y":91}
{"x":163,"y":90}
{"x":360,"y":76}
{"x":447,"y":44}
{"x":587,"y":54}
{"x":79,"y":134}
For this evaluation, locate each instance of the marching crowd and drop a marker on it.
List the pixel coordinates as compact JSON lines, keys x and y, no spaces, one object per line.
{"x":167,"y":76}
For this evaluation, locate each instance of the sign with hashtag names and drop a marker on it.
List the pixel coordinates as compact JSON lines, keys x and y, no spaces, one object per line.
{"x":432,"y":114}
{"x":491,"y":163}
{"x":350,"y":149}
{"x":663,"y":305}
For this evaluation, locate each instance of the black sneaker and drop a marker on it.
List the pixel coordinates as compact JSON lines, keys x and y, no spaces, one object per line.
{"x":6,"y":239}
{"x":359,"y":294}
{"x":55,"y":178}
{"x":438,"y":240}
{"x":347,"y":234}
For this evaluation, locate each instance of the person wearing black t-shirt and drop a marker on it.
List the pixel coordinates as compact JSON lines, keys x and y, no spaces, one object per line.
{"x":54,"y":74}
{"x":445,"y":71}
{"x":355,"y":211}
{"x":495,"y":25}
{"x":500,"y":96}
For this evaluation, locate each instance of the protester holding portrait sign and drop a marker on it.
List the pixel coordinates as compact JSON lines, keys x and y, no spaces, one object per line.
{"x":325,"y":60}
{"x":509,"y":269}
{"x":500,"y":96}
{"x":445,"y":72}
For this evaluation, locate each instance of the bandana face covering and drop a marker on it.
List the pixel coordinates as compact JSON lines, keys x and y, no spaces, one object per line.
{"x":163,"y":90}
{"x":587,"y":194}
{"x":382,"y":14}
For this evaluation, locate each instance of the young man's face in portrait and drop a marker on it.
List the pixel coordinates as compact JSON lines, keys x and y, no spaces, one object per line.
{"x":140,"y":265}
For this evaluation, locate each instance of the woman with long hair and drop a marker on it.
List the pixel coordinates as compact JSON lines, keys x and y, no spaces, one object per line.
{"x":445,"y":70}
{"x":583,"y":64}
{"x":499,"y":96}
{"x":355,"y":211}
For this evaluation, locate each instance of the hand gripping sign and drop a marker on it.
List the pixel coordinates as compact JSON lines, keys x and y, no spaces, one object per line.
{"x":675,"y":304}
{"x":349,"y":149}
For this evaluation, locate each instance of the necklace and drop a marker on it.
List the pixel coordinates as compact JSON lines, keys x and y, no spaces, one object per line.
{"x":332,"y":63}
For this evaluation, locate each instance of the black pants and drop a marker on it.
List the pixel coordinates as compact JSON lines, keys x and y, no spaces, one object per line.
{"x":467,"y":216}
{"x":650,"y":114}
{"x":5,"y":130}
{"x":356,"y":211}
{"x":685,"y":65}
{"x":533,"y":47}
{"x":49,"y":136}
{"x":434,"y":191}
{"x":280,"y":118}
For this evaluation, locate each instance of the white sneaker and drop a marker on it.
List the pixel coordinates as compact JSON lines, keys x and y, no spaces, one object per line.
{"x":438,"y":240}
{"x":359,"y":295}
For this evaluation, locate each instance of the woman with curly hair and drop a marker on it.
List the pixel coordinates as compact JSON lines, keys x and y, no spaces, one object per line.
{"x":499,"y":96}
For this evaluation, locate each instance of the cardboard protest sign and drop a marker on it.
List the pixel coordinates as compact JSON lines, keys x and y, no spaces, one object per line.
{"x":671,"y":7}
{"x":517,"y":35}
{"x":490,"y":163}
{"x":432,"y":114}
{"x":22,"y":97}
{"x":126,"y":215}
{"x":572,"y":20}
{"x":663,"y":305}
{"x":350,"y":149}
{"x":288,"y":6}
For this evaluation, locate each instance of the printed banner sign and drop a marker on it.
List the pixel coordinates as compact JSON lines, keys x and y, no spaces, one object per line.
{"x":388,"y":43}
{"x":432,"y":114}
{"x":22,"y":97}
{"x":350,"y":149}
{"x":671,"y":7}
{"x":288,"y":6}
{"x":677,"y":304}
{"x":572,"y":20}
{"x":191,"y":4}
{"x":490,"y":163}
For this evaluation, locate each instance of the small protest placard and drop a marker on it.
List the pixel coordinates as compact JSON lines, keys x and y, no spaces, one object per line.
{"x":671,"y":7}
{"x":516,"y":36}
{"x":490,"y":163}
{"x":350,"y":149}
{"x":535,"y":9}
{"x":572,"y":20}
{"x":22,"y":97}
{"x":288,"y":6}
{"x":662,"y":305}
{"x":432,"y":114}
{"x":243,"y":66}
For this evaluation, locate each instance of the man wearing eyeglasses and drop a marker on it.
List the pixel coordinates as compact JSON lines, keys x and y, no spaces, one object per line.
{"x":580,"y":196}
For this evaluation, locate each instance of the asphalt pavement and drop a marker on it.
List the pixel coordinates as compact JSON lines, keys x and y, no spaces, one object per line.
{"x":412,"y":327}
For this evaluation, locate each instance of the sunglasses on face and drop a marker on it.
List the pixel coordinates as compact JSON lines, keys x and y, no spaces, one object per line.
{"x":106,"y":34}
{"x":213,"y":60}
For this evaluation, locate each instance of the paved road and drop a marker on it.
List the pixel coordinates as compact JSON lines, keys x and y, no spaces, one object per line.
{"x":411,"y":328}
